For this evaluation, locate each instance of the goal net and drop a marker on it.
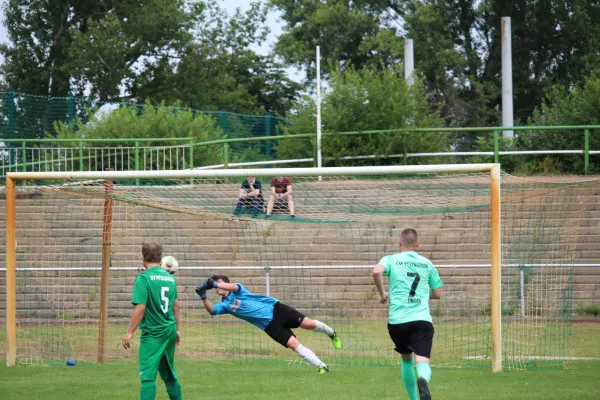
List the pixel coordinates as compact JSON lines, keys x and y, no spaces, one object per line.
{"x":69,"y":225}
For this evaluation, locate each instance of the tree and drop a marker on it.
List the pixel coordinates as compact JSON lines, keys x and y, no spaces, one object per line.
{"x":129,"y":40}
{"x":367,"y":99}
{"x":149,"y":121}
{"x":96,"y":44}
{"x":356,"y":33}
{"x":162,"y":50}
{"x":576,"y":105}
{"x":457,"y":46}
{"x":219,"y":71}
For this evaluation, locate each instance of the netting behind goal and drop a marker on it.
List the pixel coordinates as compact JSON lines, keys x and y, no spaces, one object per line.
{"x":319,"y":263}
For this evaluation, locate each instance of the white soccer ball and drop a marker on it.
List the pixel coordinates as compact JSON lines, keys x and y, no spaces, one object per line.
{"x":169,"y":264}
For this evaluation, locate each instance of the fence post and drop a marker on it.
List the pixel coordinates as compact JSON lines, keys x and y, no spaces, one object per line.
{"x":223,"y":123}
{"x":137,"y":160}
{"x":70,"y":108}
{"x":315,"y":152}
{"x":24,"y":157}
{"x":191,"y":152}
{"x":496,"y":147}
{"x":586,"y":153}
{"x":12,"y":110}
{"x":225,"y":155}
{"x":81,"y":155}
{"x":268,"y":142}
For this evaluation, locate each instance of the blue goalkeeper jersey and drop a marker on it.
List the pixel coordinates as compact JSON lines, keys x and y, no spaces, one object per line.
{"x":254,"y":308}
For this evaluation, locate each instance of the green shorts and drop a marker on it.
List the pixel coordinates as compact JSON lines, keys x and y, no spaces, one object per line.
{"x":158,"y":354}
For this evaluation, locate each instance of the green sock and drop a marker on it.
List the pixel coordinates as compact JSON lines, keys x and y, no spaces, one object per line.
{"x":148,"y":390}
{"x":173,"y":389}
{"x":409,"y":379}
{"x":424,"y":371}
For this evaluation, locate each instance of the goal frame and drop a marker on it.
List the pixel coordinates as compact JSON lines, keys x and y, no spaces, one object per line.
{"x":495,"y":246}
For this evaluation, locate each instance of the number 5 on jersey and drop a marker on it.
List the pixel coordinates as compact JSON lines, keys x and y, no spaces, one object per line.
{"x":165,"y":300}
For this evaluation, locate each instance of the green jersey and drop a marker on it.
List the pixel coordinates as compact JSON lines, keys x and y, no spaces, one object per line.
{"x":156,"y":288}
{"x":411,"y":277}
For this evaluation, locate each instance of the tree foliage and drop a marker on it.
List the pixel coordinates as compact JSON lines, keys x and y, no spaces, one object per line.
{"x":576,"y":105}
{"x":149,"y":121}
{"x":457,"y":46}
{"x":366,"y":99}
{"x":162,"y":50}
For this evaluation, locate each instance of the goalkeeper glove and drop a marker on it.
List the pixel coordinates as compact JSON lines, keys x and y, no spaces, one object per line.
{"x":210,"y":283}
{"x":201,"y":291}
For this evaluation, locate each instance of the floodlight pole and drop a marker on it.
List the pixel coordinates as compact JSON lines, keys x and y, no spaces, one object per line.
{"x":319,"y":157}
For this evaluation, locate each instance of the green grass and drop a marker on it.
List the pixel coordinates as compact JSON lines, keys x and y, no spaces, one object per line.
{"x":266,"y":380}
{"x":368,"y":342}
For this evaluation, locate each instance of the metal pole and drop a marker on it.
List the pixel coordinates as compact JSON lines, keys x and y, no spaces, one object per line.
{"x":106,"y":261}
{"x":137,"y":160}
{"x":586,"y":146}
{"x":507,"y":90}
{"x":268,"y":281}
{"x":496,"y":148}
{"x":522,"y":282}
{"x":319,"y":157}
{"x":496,"y":233}
{"x":409,"y":61}
{"x":11,"y":274}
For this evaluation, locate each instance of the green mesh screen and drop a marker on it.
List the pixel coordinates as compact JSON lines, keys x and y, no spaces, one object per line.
{"x":320,"y":263}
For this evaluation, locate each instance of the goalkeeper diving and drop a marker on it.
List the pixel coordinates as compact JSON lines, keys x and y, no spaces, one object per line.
{"x":267,"y":313}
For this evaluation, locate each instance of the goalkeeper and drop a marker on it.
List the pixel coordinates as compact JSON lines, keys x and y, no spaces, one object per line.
{"x":268,"y":314}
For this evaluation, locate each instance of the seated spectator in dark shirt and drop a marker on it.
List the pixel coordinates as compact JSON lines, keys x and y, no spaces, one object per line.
{"x":281,"y":190}
{"x":250,"y":196}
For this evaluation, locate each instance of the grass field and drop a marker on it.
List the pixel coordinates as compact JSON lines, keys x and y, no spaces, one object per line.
{"x":266,"y":380}
{"x":206,"y":374}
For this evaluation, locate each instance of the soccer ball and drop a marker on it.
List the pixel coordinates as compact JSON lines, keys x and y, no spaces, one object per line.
{"x":169,"y":264}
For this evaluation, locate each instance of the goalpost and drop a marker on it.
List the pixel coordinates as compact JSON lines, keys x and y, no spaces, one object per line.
{"x":74,"y":240}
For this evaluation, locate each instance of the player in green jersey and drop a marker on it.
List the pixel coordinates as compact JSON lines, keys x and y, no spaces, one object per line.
{"x":413,"y":280}
{"x":157,"y":313}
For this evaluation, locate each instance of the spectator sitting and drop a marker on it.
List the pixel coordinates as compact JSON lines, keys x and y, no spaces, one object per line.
{"x":250,"y":195}
{"x":281,"y":189}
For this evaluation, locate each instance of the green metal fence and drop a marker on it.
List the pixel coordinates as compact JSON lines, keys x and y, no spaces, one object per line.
{"x":263,"y":141}
{"x":25,"y":116}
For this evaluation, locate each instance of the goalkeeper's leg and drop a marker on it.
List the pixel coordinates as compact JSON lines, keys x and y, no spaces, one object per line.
{"x":320,"y":327}
{"x":306,"y":354}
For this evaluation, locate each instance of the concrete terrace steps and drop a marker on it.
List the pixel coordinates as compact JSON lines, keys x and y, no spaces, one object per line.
{"x":445,"y":238}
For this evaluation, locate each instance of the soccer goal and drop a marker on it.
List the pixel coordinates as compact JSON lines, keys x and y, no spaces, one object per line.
{"x":74,"y":240}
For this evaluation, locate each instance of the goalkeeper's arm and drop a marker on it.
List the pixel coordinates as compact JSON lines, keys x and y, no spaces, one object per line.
{"x":201,"y":291}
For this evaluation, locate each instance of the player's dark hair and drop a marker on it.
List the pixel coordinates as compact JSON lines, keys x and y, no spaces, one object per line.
{"x":409,"y":237}
{"x":152,"y":252}
{"x":221,"y":277}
